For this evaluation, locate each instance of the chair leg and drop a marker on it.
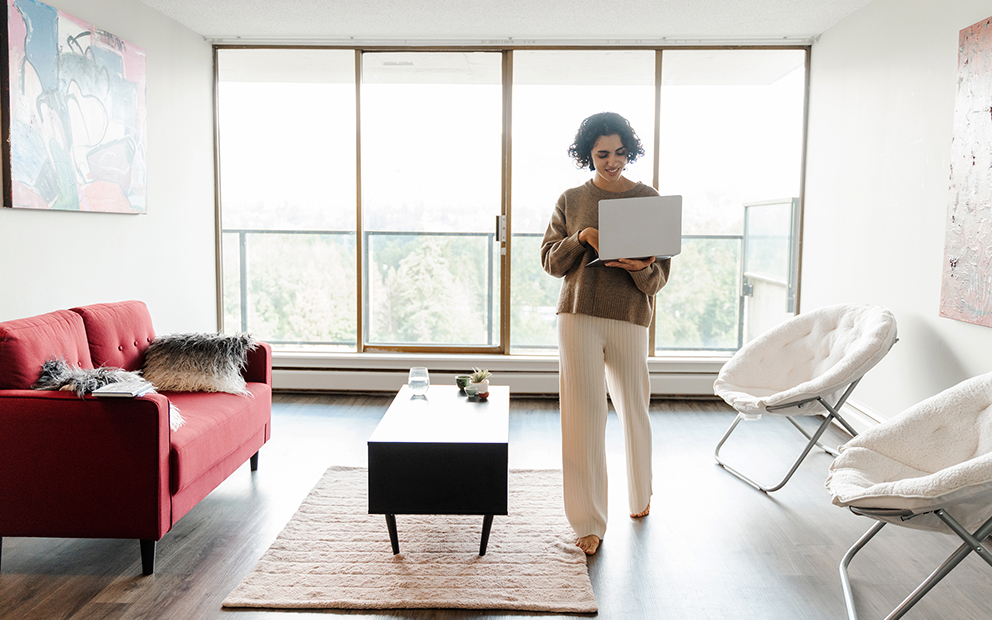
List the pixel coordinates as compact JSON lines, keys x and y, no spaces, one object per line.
{"x":973,"y":542}
{"x":845,"y":580}
{"x":831,"y":451}
{"x":814,"y":440}
{"x":836,"y":407}
{"x":147,"y":556}
{"x":254,"y":462}
{"x":833,"y":413}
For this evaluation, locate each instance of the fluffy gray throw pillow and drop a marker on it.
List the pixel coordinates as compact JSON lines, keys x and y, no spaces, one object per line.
{"x":57,"y":374}
{"x":198,"y":362}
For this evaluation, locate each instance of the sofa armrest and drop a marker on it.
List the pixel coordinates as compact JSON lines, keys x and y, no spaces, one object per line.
{"x":258,"y":368}
{"x":84,"y":468}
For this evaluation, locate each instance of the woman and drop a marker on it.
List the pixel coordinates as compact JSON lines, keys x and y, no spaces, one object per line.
{"x":603,"y":318}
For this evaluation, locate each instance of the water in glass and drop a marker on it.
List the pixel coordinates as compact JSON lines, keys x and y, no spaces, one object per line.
{"x":419,"y":380}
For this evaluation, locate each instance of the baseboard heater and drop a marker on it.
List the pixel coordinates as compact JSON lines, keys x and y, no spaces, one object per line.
{"x":520,"y":382}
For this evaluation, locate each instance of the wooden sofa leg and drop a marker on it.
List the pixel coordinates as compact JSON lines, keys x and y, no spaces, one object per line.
{"x":147,"y":557}
{"x":254,"y":462}
{"x":1,"y":549}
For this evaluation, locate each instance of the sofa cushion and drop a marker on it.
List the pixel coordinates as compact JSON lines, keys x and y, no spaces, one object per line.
{"x":217,"y":424}
{"x":26,"y":344}
{"x":118,"y":333}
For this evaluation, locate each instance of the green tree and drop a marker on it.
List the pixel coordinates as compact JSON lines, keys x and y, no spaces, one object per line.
{"x":301,"y":288}
{"x":698,"y":308}
{"x":534,"y":296}
{"x":421,"y":298}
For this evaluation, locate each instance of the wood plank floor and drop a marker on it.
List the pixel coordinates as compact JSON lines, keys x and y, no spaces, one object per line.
{"x":712,"y":547}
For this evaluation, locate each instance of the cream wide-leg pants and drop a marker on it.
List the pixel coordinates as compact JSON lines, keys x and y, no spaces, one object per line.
{"x":589,"y":348}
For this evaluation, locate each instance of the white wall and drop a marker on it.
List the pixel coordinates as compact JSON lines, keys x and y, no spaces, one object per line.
{"x":52,"y":260}
{"x":882,"y":90}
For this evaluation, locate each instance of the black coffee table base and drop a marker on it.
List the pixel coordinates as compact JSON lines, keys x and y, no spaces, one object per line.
{"x":441,"y":454}
{"x":487,"y":525}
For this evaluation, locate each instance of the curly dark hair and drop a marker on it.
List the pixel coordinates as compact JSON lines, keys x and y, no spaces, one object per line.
{"x":597,"y":126}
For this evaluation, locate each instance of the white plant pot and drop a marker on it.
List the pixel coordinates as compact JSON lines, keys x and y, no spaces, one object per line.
{"x":482,"y":388}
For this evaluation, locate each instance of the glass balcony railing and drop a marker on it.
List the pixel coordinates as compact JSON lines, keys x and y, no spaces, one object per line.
{"x":299,"y":289}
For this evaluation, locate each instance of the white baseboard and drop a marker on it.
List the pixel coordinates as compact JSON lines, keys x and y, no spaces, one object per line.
{"x":675,"y":376}
{"x":521,"y":382}
{"x":685,"y":375}
{"x":861,"y":416}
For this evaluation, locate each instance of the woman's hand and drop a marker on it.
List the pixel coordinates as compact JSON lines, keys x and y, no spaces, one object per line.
{"x":590,"y":236}
{"x":631,"y":264}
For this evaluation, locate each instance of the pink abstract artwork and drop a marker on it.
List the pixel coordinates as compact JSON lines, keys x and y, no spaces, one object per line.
{"x":77,"y":114}
{"x":966,"y":292}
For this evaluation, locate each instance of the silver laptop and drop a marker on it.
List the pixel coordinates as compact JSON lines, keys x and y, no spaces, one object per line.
{"x":639,"y":227}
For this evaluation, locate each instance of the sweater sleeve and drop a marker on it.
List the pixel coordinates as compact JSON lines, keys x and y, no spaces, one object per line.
{"x":560,"y":252}
{"x":654,"y":277}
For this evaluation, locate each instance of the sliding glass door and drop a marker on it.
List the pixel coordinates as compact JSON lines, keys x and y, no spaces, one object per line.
{"x":363,"y":192}
{"x":553,"y":91}
{"x":431,"y":126}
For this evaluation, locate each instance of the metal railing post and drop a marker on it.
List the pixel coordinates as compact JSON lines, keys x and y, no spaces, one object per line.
{"x":489,"y":291}
{"x":243,"y":276}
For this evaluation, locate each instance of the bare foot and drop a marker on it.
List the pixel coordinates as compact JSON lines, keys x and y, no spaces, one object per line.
{"x":643,"y":513}
{"x":589,"y":543}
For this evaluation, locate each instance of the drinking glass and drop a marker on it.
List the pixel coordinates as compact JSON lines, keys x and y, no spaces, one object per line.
{"x":419,"y":380}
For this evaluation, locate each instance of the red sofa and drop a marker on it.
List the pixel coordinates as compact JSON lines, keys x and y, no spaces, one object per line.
{"x":74,"y":467}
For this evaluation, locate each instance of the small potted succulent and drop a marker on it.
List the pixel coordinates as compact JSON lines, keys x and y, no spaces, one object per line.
{"x":480,"y":381}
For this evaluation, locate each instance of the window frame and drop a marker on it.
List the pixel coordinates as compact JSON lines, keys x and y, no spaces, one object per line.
{"x":505,"y":242}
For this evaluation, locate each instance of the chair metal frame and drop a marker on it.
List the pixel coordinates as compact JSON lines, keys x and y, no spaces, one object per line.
{"x":972,"y":542}
{"x":833,"y":413}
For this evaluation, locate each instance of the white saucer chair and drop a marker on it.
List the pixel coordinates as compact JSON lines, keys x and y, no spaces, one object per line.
{"x":929,"y":468}
{"x":808,"y":365}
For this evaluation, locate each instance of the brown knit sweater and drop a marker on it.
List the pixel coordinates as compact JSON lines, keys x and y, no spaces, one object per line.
{"x":605,"y":292}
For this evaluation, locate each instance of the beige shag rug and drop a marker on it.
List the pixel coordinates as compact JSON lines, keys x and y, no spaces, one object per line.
{"x":334,"y":555}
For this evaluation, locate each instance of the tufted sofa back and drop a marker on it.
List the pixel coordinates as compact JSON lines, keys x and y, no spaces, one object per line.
{"x":118,"y":334}
{"x":26,"y":344}
{"x":113,"y":334}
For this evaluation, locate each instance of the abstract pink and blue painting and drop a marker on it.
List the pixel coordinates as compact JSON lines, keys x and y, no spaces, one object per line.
{"x":966,"y":292}
{"x":77,"y":114}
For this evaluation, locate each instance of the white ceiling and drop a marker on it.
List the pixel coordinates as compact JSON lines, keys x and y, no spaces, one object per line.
{"x":520,"y":22}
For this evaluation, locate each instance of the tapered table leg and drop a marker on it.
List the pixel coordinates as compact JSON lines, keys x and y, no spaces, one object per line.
{"x":393,"y":538}
{"x":487,"y":524}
